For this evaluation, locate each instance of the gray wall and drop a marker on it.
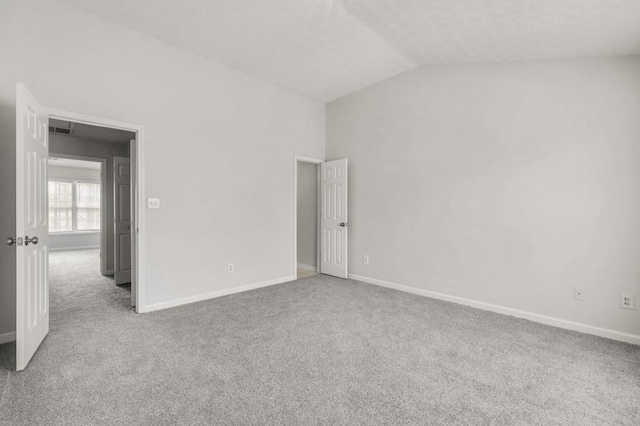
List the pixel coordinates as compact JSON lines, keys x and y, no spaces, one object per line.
{"x":307,"y":214}
{"x":70,"y":241}
{"x":85,"y":240}
{"x":219,"y":146}
{"x":505,"y":183}
{"x":64,"y":144}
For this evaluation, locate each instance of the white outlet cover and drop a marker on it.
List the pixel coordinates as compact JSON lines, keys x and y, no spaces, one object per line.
{"x":578,"y":294}
{"x":153,"y":203}
{"x":627,"y":301}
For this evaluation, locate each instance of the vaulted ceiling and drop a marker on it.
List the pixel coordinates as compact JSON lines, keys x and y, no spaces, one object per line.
{"x":326,"y":49}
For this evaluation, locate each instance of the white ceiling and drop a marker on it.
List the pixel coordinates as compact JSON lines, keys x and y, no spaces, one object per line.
{"x":326,"y":49}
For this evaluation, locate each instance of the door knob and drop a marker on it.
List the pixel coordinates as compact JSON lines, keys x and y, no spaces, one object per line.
{"x":10,"y":241}
{"x":28,"y":240}
{"x":343,"y":224}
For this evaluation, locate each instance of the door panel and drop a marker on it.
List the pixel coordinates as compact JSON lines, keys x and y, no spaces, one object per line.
{"x":134,"y":224}
{"x":122,"y":219}
{"x":32,"y":281}
{"x":333,"y":220}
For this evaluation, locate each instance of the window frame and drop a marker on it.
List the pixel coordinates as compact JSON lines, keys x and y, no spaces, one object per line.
{"x":74,"y":206}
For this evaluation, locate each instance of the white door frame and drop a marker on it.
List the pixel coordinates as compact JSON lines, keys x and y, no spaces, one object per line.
{"x":139,"y":254}
{"x":103,"y":202}
{"x":317,"y":162}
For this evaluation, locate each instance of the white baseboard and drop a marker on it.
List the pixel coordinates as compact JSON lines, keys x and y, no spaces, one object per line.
{"x":218,"y":293}
{"x":307,"y":267}
{"x":74,"y":248}
{"x":7,"y":337}
{"x":556,"y":322}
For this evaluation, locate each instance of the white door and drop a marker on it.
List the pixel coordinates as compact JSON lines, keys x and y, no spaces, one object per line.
{"x":32,"y":281}
{"x":333,"y":218}
{"x":134,"y":224}
{"x":122,"y":219}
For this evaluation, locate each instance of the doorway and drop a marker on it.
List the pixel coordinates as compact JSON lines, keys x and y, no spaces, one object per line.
{"x":32,"y":216}
{"x":331,"y":218}
{"x":87,"y":201}
{"x":307,"y":219}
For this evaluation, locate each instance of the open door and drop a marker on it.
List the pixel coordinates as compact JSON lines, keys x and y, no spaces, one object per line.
{"x":333,"y":218}
{"x":133,"y":160}
{"x":122,"y":219}
{"x":32,"y":281}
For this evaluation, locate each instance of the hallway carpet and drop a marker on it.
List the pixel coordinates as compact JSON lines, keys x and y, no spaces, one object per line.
{"x":318,"y":350}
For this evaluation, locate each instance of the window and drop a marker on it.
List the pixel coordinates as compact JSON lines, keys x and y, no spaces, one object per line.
{"x":60,"y":206}
{"x":88,"y":206}
{"x":74,"y":206}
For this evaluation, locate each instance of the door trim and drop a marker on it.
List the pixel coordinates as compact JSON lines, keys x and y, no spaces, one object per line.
{"x":103,"y":202}
{"x":317,"y":162}
{"x":139,"y":254}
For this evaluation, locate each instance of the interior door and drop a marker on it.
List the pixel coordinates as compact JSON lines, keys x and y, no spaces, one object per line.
{"x":32,"y":281}
{"x":133,"y":152}
{"x":333,"y":218}
{"x":122,"y":219}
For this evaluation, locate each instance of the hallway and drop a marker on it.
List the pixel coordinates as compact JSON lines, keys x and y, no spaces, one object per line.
{"x":78,"y":291}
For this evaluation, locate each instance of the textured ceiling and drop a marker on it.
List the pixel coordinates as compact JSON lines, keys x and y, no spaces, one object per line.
{"x":326,"y":49}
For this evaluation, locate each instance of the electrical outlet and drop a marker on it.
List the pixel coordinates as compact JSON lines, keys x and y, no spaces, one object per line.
{"x":153,"y":203}
{"x":578,"y":294}
{"x":230,"y":268}
{"x":365,"y":260}
{"x":627,"y":301}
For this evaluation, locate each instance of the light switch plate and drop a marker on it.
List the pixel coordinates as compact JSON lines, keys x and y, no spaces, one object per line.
{"x":153,"y":203}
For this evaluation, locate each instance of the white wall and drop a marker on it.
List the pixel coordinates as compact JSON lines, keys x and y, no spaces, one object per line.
{"x":75,"y":241}
{"x":60,"y":144}
{"x":73,"y":173}
{"x":70,"y":241}
{"x":219,"y":145}
{"x":307,"y":211}
{"x":508,"y":183}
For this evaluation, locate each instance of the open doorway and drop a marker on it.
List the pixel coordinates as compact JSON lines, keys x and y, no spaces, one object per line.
{"x":307,"y":219}
{"x":306,"y":215}
{"x":32,"y":216}
{"x":320,"y":217}
{"x":89,"y":194}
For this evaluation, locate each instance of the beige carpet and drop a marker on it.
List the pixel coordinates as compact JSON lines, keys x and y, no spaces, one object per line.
{"x":318,"y":350}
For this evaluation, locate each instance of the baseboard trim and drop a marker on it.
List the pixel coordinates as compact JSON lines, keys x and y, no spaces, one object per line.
{"x":307,"y":267}
{"x":7,"y":337}
{"x":218,"y":293}
{"x":74,"y":248}
{"x":556,"y":322}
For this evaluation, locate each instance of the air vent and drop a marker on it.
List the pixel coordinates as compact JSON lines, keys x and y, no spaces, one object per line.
{"x":59,"y":130}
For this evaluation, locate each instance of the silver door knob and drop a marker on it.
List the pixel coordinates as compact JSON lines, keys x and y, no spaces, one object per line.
{"x":28,"y":240}
{"x":343,"y":224}
{"x":10,"y":241}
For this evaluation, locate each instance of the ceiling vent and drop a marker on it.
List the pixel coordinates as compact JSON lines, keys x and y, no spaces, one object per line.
{"x":61,"y":127}
{"x":59,"y":130}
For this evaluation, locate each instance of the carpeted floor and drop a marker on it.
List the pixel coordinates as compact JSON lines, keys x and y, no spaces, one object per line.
{"x":315,"y":351}
{"x":305,"y":273}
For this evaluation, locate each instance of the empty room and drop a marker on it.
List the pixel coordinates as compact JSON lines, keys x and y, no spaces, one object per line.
{"x":348,"y":212}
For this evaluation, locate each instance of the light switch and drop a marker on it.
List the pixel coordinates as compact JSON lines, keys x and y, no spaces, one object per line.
{"x":153,"y":203}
